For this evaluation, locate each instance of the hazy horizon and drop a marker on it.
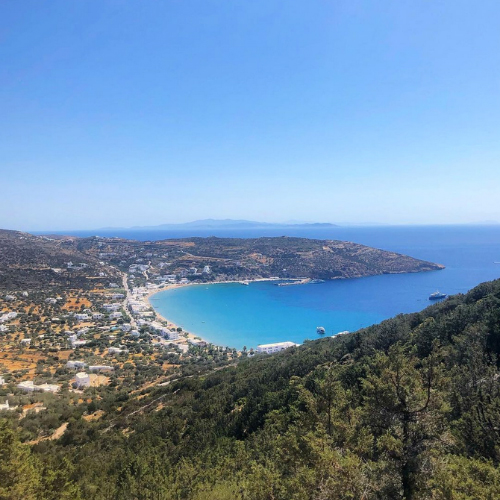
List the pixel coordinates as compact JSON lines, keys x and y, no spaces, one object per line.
{"x":118,"y":114}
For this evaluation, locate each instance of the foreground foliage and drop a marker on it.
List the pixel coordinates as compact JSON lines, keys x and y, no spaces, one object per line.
{"x":408,"y":409}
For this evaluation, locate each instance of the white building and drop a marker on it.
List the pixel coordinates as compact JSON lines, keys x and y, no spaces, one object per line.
{"x":82,"y":316}
{"x":78,"y":343}
{"x":82,"y":379}
{"x":25,"y":342}
{"x":112,"y":307}
{"x":2,"y":381}
{"x":97,"y":316}
{"x":206,"y":270}
{"x":29,"y":386}
{"x":26,"y":385}
{"x":75,"y":364}
{"x":8,"y":316}
{"x":101,"y":368}
{"x":115,"y":315}
{"x":173,"y":335}
{"x":5,"y":406}
{"x":276,"y":347}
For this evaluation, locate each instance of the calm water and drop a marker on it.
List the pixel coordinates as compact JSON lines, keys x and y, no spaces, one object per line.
{"x":236,"y":315}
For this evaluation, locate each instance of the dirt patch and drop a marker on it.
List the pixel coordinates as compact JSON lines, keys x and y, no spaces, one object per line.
{"x":94,"y":416}
{"x":75,"y":303}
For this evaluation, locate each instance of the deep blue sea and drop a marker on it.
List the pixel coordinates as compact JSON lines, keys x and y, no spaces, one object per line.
{"x":236,"y":315}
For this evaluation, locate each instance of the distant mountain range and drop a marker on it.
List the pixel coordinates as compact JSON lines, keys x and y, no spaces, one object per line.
{"x":228,"y":224}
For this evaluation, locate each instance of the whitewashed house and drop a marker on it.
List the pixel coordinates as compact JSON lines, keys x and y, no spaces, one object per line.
{"x":82,"y":316}
{"x":82,"y":379}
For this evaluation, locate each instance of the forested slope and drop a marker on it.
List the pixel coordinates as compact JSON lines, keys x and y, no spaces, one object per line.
{"x":409,"y":408}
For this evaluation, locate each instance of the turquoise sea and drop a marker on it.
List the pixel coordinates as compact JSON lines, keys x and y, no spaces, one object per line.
{"x":237,"y":315}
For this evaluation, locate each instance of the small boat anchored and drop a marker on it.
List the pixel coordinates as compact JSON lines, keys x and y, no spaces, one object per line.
{"x":320,"y":330}
{"x":437,"y":295}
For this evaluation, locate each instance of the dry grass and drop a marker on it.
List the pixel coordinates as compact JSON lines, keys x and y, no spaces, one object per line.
{"x":94,"y":416}
{"x":75,"y":303}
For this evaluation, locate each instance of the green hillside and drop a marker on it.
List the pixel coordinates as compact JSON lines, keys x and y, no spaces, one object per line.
{"x":409,"y":408}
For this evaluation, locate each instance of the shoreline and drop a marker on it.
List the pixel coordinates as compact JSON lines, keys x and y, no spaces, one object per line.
{"x":171,"y":324}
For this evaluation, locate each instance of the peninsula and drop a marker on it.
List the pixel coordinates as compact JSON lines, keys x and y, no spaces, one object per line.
{"x":225,"y":259}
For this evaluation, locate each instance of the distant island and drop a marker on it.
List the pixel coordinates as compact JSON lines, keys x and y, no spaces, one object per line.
{"x":228,"y":224}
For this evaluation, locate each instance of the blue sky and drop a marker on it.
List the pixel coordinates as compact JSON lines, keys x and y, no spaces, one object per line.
{"x":122,"y":113}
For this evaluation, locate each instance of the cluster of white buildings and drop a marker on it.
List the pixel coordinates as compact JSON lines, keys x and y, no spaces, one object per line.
{"x":137,"y":306}
{"x":163,"y":331}
{"x":169,"y":278}
{"x":29,"y":386}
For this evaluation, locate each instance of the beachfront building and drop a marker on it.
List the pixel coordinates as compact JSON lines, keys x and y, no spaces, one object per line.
{"x":173,"y":335}
{"x":276,"y":347}
{"x":197,"y":342}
